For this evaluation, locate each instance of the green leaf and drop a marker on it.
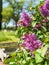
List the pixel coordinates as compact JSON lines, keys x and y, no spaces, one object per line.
{"x":13,"y":54}
{"x":44,"y":29}
{"x":45,"y":63}
{"x":40,"y":53}
{"x":48,"y":18}
{"x":41,"y":36}
{"x":9,"y":60}
{"x":28,"y":58}
{"x":38,"y":58}
{"x":34,"y":23}
{"x":23,"y":61}
{"x":12,"y":63}
{"x":31,"y":63}
{"x":43,"y":50}
{"x":41,"y":0}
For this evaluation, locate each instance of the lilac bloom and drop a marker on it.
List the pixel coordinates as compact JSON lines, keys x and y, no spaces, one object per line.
{"x":45,"y":9}
{"x":46,"y":4}
{"x":31,"y":42}
{"x":26,"y":19}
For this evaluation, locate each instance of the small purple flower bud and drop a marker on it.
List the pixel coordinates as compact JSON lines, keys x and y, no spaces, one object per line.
{"x":37,"y":26}
{"x":44,"y":20}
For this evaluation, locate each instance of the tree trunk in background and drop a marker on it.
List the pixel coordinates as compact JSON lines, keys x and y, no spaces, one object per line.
{"x":0,"y":14}
{"x":16,"y":23}
{"x":16,"y":18}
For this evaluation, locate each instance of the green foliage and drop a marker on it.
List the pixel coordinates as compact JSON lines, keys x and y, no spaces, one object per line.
{"x":40,"y":53}
{"x":22,"y":56}
{"x":12,"y":11}
{"x":8,"y":36}
{"x":7,"y":13}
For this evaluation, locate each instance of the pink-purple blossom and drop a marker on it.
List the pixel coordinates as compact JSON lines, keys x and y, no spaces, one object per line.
{"x":46,"y":5}
{"x":45,"y":9}
{"x":31,"y":42}
{"x":25,"y":21}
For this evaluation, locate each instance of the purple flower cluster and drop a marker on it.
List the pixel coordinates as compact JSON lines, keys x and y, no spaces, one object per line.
{"x":26,"y":19}
{"x":31,"y":42}
{"x":45,"y":9}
